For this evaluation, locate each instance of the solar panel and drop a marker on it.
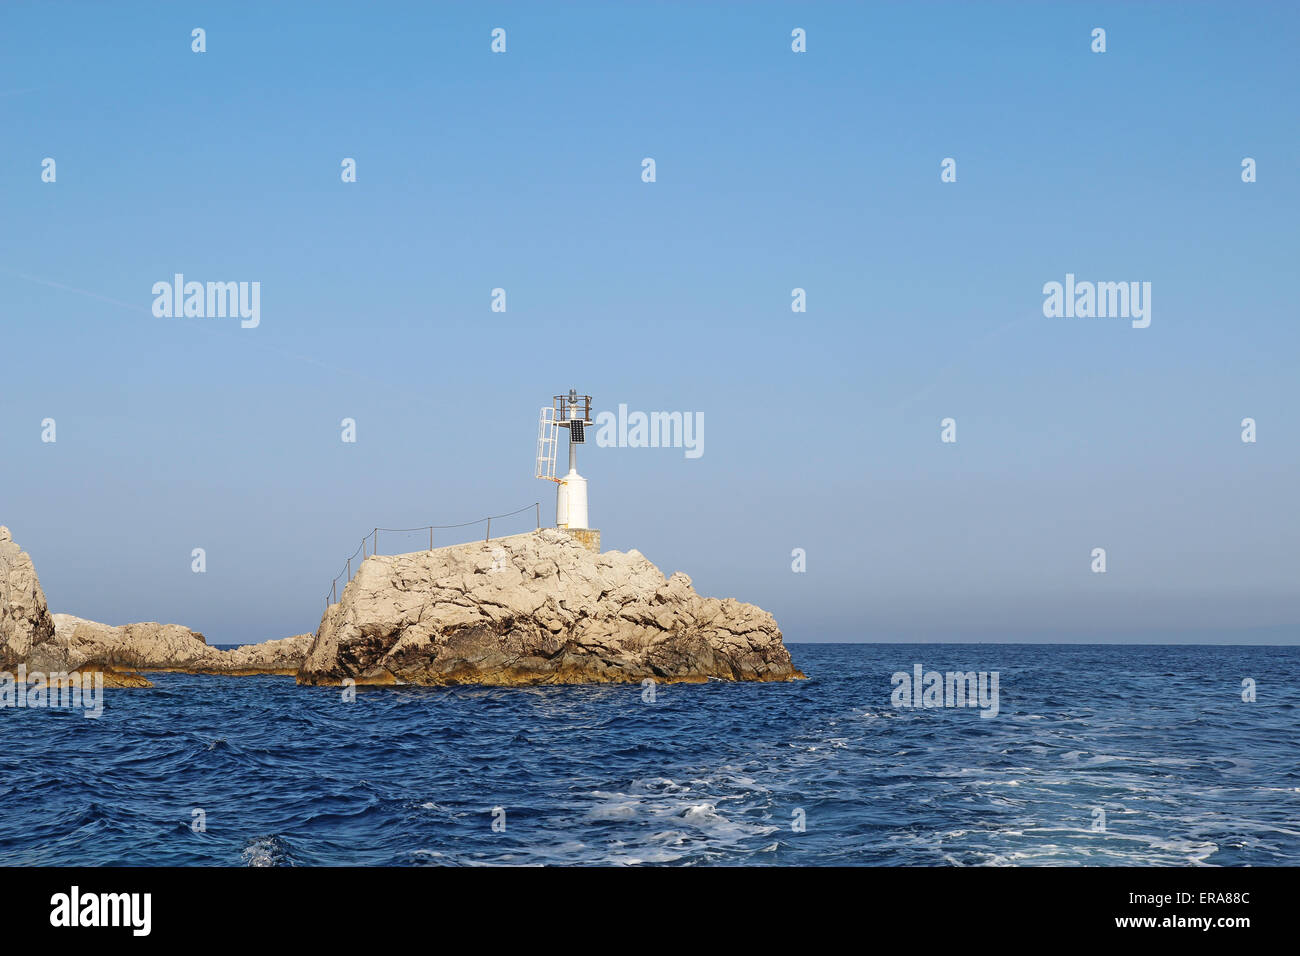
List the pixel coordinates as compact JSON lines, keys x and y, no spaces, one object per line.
{"x":576,"y":431}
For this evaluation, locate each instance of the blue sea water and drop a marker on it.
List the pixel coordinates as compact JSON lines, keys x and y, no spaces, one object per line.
{"x":1157,"y":737}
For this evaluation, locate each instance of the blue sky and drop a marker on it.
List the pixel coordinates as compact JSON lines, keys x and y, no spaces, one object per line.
{"x":775,"y":170}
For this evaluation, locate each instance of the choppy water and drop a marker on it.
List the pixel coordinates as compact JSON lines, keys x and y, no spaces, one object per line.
{"x":1157,"y":737}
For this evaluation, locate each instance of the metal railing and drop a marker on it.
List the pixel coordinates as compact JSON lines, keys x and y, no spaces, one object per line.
{"x":372,"y":539}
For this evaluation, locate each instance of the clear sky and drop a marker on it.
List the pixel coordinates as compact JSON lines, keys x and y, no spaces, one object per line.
{"x":774,"y":170}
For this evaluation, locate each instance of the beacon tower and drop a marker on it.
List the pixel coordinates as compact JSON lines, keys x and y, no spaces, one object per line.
{"x":571,"y":412}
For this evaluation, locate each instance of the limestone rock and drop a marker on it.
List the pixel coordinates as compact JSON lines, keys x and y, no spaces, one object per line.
{"x":87,"y":645}
{"x":58,"y":643}
{"x":283,"y":656}
{"x":536,"y":608}
{"x":25,"y":619}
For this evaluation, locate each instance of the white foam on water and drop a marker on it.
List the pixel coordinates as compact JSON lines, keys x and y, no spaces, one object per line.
{"x":266,"y":851}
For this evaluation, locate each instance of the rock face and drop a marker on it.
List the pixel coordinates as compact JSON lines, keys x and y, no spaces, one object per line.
{"x":54,"y":643}
{"x":24,"y":618}
{"x":536,"y":608}
{"x":284,"y":656}
{"x":79,"y":644}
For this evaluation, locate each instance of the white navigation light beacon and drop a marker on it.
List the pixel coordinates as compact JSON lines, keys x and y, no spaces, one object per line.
{"x":573,"y":412}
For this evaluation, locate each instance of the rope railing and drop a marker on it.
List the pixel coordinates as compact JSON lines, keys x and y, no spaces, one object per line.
{"x":373,"y":536}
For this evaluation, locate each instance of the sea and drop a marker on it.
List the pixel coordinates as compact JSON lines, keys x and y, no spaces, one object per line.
{"x":1097,"y":755}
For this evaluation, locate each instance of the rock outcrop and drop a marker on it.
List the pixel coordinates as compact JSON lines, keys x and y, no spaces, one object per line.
{"x":24,"y":618}
{"x":81,"y":645}
{"x":536,"y":608}
{"x":283,"y":656}
{"x":56,"y":643}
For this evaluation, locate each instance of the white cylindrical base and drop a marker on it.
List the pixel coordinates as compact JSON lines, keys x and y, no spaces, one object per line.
{"x":571,"y":501}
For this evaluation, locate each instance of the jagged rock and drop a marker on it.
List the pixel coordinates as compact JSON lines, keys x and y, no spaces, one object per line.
{"x":283,"y":656}
{"x":88,"y":645}
{"x":536,"y":608}
{"x":528,"y":609}
{"x":57,"y":643}
{"x":24,"y":618}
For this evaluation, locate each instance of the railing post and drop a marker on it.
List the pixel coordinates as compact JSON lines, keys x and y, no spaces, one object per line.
{"x":370,"y":548}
